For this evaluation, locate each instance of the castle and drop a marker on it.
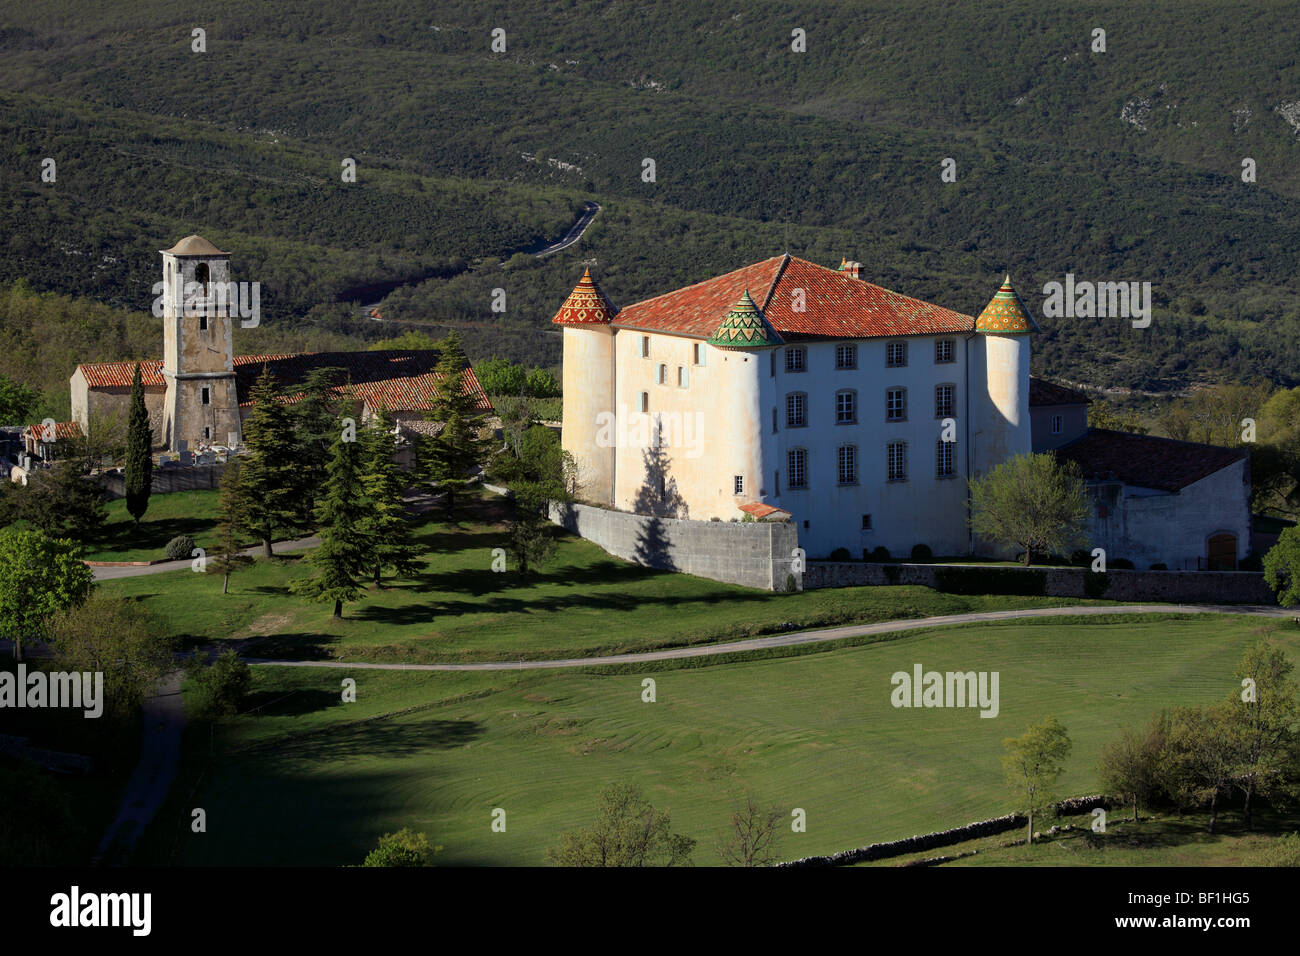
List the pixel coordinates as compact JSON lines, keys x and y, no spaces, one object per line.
{"x":788,"y":390}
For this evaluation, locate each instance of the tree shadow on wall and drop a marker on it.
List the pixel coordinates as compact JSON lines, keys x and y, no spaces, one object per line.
{"x":657,"y":498}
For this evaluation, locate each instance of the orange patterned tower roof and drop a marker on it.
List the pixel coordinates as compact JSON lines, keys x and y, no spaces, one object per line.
{"x":586,"y":305}
{"x":1005,"y":313}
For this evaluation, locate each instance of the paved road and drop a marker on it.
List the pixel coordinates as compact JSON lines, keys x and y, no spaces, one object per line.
{"x":279,"y":547}
{"x":574,"y":234}
{"x":807,"y":637}
{"x":163,"y":718}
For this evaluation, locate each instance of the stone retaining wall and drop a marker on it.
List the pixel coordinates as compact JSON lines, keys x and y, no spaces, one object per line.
{"x":755,"y":554}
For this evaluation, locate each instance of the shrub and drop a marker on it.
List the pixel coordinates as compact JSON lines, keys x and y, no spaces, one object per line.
{"x":179,"y":547}
{"x":1121,"y":563}
{"x":840,"y":554}
{"x":1081,"y":557}
{"x":1095,"y":584}
{"x":921,"y":552}
{"x":220,"y":688}
{"x":403,"y":848}
{"x":1159,"y":566}
{"x":879,"y":553}
{"x":1251,"y":562}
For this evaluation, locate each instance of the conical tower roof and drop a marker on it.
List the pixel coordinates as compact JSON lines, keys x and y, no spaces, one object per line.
{"x":586,"y":305}
{"x":745,"y":327}
{"x":1006,"y":313}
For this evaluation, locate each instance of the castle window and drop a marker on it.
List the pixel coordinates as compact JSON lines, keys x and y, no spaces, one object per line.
{"x":645,"y":402}
{"x":897,"y":455}
{"x":797,"y":459}
{"x":1058,"y":423}
{"x":683,"y":376}
{"x":207,"y":432}
{"x":773,"y":420}
{"x":895,"y":404}
{"x":203,"y":322}
{"x":205,"y":395}
{"x":945,"y":401}
{"x":866,"y":522}
{"x":699,"y":353}
{"x":203,"y":277}
{"x":896,"y":354}
{"x":796,"y":410}
{"x":943,"y":456}
{"x":846,"y":356}
{"x":847,"y":458}
{"x":771,"y":364}
{"x":738,"y":485}
{"x":846,"y":407}
{"x":645,"y":346}
{"x":945,"y":351}
{"x":661,"y":374}
{"x":796,"y":360}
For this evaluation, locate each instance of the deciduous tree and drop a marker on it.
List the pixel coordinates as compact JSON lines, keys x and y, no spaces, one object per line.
{"x":1031,"y":501}
{"x":628,"y":831}
{"x":1033,"y":764}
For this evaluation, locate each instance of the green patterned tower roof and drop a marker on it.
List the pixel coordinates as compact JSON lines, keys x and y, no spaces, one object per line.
{"x":745,"y":327}
{"x":1006,"y":313}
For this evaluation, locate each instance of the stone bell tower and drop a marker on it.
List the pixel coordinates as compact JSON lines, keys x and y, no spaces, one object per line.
{"x":200,"y":307}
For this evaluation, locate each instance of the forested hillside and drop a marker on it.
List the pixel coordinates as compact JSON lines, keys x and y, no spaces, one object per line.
{"x":1116,"y":165}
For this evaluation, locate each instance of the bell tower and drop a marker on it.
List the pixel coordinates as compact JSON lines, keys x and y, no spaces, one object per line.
{"x":200,"y":306}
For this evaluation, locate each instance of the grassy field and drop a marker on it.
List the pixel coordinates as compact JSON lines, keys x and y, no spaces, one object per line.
{"x":439,"y":751}
{"x":180,"y":512}
{"x":583,"y":602}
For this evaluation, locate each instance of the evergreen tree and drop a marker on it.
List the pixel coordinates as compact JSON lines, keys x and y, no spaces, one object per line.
{"x":345,"y":551}
{"x":385,"y":525}
{"x":270,"y":471}
{"x":315,"y":418}
{"x":451,"y":456}
{"x":139,"y":451}
{"x":63,"y":501}
{"x":232,"y":519}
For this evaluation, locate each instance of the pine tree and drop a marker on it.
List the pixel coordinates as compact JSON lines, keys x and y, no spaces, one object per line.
{"x":345,"y":551}
{"x":315,"y":426}
{"x":139,"y":451}
{"x":451,"y":456}
{"x":385,"y":526}
{"x":270,"y":479}
{"x":232,"y":518}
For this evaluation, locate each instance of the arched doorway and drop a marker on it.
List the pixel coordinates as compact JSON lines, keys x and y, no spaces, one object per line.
{"x":1222,"y":552}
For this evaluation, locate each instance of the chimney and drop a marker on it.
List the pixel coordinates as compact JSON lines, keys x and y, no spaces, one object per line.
{"x":853,"y":270}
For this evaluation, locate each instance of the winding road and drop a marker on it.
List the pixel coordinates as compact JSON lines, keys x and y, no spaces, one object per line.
{"x":807,"y":637}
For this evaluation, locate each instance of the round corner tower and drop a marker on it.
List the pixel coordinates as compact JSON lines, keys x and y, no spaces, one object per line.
{"x":589,"y":423}
{"x":1002,"y":423}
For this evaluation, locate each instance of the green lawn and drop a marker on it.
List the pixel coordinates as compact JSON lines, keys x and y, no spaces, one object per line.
{"x":180,"y":512}
{"x":583,"y":602}
{"x":303,"y":780}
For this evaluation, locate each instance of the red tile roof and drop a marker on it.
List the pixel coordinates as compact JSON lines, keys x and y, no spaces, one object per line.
{"x":1043,"y":392}
{"x":62,"y":430}
{"x":760,"y":510}
{"x":1145,"y":461}
{"x":400,"y":380}
{"x":835,"y":305}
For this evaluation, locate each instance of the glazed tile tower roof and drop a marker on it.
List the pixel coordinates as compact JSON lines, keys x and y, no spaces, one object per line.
{"x":1005,"y":313}
{"x":586,"y":305}
{"x":744,"y":328}
{"x":405,"y":380}
{"x":799,"y":299}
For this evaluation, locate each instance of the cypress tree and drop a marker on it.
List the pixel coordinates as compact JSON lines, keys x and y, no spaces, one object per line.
{"x":269,"y":472}
{"x":139,"y":451}
{"x":385,"y":525}
{"x":345,"y":551}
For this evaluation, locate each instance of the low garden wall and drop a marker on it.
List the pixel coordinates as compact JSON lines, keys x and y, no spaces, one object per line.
{"x":165,"y":480}
{"x":756,"y":554}
{"x":929,"y":841}
{"x":1196,"y":587}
